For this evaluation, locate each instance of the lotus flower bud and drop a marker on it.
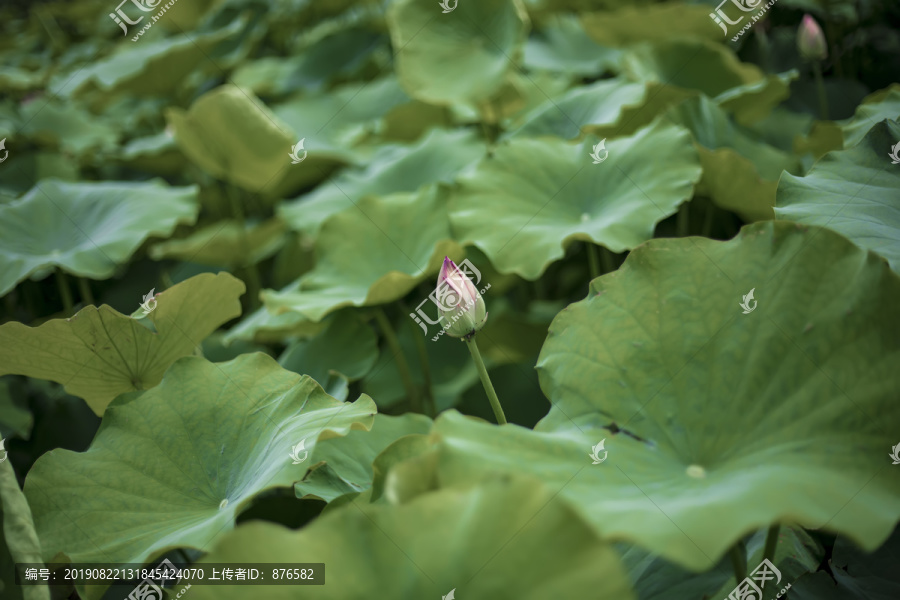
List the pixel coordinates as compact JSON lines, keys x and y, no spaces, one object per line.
{"x":460,"y":305}
{"x":810,"y":40}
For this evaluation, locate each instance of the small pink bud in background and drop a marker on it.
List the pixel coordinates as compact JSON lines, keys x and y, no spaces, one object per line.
{"x":811,"y":40}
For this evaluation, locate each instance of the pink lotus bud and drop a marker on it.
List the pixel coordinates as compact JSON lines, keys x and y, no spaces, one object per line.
{"x":810,"y":40}
{"x":459,"y":303}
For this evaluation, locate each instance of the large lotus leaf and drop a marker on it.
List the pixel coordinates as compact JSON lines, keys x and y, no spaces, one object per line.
{"x":347,"y":344}
{"x":263,"y":327}
{"x":231,"y":135}
{"x":225,"y":244}
{"x":396,"y":168}
{"x":600,"y":103}
{"x":734,"y":409}
{"x":101,"y":353}
{"x":71,"y":128}
{"x":525,"y":204}
{"x":654,"y":22}
{"x":883,"y":104}
{"x":691,"y":64}
{"x":87,"y":229}
{"x":458,"y":57}
{"x":344,"y":465}
{"x":562,"y":45}
{"x":174,"y":466}
{"x":855,"y":192}
{"x":487,"y":543}
{"x":740,"y":173}
{"x":148,"y":68}
{"x":406,"y":238}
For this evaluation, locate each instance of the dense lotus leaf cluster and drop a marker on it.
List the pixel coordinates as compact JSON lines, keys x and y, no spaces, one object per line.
{"x":230,"y":331}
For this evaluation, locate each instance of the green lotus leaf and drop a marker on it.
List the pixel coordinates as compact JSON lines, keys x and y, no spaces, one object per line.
{"x":396,"y":168}
{"x":263,"y":327}
{"x":796,"y":555}
{"x":752,"y":102}
{"x":407,"y":237}
{"x":87,"y":229}
{"x":691,"y":64}
{"x":563,"y":45}
{"x":654,"y":22}
{"x":174,"y":466}
{"x":344,"y":465}
{"x":225,"y":244}
{"x":72,"y":129}
{"x":458,"y":57}
{"x":525,"y":204}
{"x":31,"y":167}
{"x":148,"y":68}
{"x":231,"y":135}
{"x":101,"y":353}
{"x":883,"y":104}
{"x":15,"y":417}
{"x":855,"y":192}
{"x":853,"y":574}
{"x":727,"y":408}
{"x":487,"y":543}
{"x":600,"y":103}
{"x":740,"y":173}
{"x":346,"y":344}
{"x":334,"y":121}
{"x":157,"y":154}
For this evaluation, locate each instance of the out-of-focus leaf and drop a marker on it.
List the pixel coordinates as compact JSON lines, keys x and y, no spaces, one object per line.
{"x":225,"y":244}
{"x":87,"y":229}
{"x":653,"y":22}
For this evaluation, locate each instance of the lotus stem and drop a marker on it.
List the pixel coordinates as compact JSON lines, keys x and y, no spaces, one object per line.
{"x":430,"y":405}
{"x":593,"y":260}
{"x":251,"y":274}
{"x":402,"y":366}
{"x":820,"y":90}
{"x":738,"y":561}
{"x":606,"y":259}
{"x":683,"y":220}
{"x":771,"y":542}
{"x":64,"y":292}
{"x":486,"y":381}
{"x":84,"y":288}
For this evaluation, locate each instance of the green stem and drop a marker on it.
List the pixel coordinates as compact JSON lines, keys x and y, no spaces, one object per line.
{"x":593,"y":260}
{"x":683,"y":220}
{"x":486,"y":381}
{"x":84,"y":288}
{"x":64,"y":291}
{"x":18,"y":526}
{"x":820,"y":90}
{"x":771,"y":542}
{"x":430,"y":406}
{"x":738,"y":562}
{"x":607,"y":260}
{"x":251,"y":274}
{"x":402,"y":365}
{"x":708,"y":219}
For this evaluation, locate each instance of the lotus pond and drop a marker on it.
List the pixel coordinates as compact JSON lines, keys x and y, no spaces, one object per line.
{"x":457,"y":299}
